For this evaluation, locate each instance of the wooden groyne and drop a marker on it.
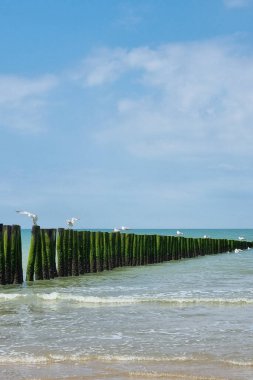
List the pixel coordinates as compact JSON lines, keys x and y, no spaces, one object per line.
{"x":68,"y":252}
{"x":11,"y":271}
{"x":80,"y":252}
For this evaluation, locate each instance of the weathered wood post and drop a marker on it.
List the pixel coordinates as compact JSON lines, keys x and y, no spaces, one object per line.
{"x":35,"y":245}
{"x":2,"y":260}
{"x":93,"y":264}
{"x":60,"y":252}
{"x":7,"y":254}
{"x":99,"y":264}
{"x":18,"y":277}
{"x":86,"y":245}
{"x":75,"y":265}
{"x":80,"y":247}
{"x":45,"y":259}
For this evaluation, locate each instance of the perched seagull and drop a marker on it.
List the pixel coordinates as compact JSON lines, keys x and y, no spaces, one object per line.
{"x":179,"y":233}
{"x":124,"y":228}
{"x":116,"y":230}
{"x":34,"y":217}
{"x":241,"y":238}
{"x":71,"y":222}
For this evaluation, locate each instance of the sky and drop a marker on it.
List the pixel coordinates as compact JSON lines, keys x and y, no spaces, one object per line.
{"x":127,"y":112}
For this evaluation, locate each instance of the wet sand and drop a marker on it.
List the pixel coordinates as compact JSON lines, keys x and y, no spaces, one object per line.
{"x":96,"y":370}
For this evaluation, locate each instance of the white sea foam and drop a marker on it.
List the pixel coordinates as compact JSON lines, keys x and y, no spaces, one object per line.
{"x":11,"y":296}
{"x":60,"y":358}
{"x":239,"y":363}
{"x":169,"y":375}
{"x":128,"y":300}
{"x":77,"y":358}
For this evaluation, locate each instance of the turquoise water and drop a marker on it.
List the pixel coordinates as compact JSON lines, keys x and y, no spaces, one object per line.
{"x":188,"y":319}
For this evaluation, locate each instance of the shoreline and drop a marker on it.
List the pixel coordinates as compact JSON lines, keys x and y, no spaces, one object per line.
{"x":202,"y":369}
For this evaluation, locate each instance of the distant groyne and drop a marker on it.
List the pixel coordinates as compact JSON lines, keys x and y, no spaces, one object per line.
{"x":67,"y":252}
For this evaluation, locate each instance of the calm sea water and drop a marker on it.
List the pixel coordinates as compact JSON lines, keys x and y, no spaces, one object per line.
{"x":188,"y":319}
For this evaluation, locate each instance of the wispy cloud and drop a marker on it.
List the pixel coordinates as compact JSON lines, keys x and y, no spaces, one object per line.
{"x":22,"y":101}
{"x":189,"y":99}
{"x":237,"y":3}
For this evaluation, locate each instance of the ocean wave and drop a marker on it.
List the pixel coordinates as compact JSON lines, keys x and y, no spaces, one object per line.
{"x":169,"y":375}
{"x":60,"y":358}
{"x":238,"y":363}
{"x":11,"y":296}
{"x":79,"y":358}
{"x":125,"y":300}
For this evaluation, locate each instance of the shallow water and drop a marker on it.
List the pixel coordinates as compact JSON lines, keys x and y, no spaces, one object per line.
{"x":188,"y":319}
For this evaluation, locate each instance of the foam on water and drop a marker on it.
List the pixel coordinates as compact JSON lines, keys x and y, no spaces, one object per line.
{"x":11,"y":296}
{"x":127,"y":300}
{"x":77,"y":358}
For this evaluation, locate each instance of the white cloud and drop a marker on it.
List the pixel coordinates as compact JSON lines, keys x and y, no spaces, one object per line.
{"x":186,"y":99}
{"x":22,"y":101}
{"x":237,"y":3}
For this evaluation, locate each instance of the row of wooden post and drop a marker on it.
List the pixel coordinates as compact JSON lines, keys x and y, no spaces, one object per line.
{"x":11,"y":271}
{"x":80,"y":252}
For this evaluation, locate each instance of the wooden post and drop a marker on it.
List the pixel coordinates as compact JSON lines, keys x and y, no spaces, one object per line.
{"x":80,"y":247}
{"x":93,"y":265}
{"x":60,"y":252}
{"x":18,"y":278}
{"x":34,"y":246}
{"x":7,"y":253}
{"x":45,"y":263}
{"x":75,"y":266}
{"x":2,"y":261}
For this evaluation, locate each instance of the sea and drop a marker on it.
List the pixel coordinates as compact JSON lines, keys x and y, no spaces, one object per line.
{"x":188,"y":320}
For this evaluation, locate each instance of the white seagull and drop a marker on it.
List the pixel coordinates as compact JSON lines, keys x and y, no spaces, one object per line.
{"x":124,"y":228}
{"x":179,"y":233}
{"x":116,"y":229}
{"x":241,"y":238}
{"x":71,"y":222}
{"x":34,"y":217}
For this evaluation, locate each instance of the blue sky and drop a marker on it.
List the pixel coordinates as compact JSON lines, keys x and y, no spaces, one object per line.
{"x":135,"y":113}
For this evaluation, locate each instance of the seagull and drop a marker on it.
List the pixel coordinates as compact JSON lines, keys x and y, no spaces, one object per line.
{"x":237,"y":250}
{"x":116,"y":230}
{"x":124,"y":228}
{"x":241,"y":238}
{"x":71,"y":222}
{"x":34,"y":217}
{"x":179,"y":233}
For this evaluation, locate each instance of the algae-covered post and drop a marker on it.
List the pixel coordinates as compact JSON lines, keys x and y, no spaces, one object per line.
{"x":17,"y":248}
{"x":80,"y":254}
{"x":2,"y":261}
{"x":34,"y":246}
{"x":45,"y":263}
{"x":7,"y":253}
{"x":50,"y":250}
{"x":75,"y":267}
{"x":98,"y":251}
{"x":60,"y":252}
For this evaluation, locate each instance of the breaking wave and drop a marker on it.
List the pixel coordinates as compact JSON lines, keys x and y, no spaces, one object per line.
{"x":123,"y":300}
{"x":77,"y":358}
